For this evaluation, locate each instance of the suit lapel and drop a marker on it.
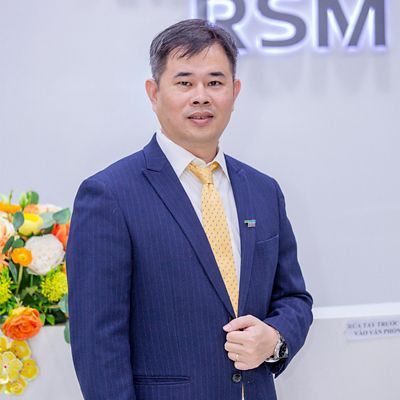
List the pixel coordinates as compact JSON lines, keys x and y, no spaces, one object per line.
{"x":163,"y":179}
{"x":245,"y":211}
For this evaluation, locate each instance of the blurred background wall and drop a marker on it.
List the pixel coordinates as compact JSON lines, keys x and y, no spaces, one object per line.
{"x":325,"y":124}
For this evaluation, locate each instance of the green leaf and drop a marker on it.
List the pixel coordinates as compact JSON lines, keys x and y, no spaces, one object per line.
{"x":59,"y":316}
{"x":50,"y":319}
{"x":8,"y":244}
{"x":29,"y":300}
{"x":23,"y":200}
{"x":63,"y":304}
{"x":62,"y":216}
{"x":33,"y":197}
{"x":18,"y":220}
{"x":18,"y":243}
{"x":66,"y":333}
{"x":13,"y":270}
{"x":42,"y":317}
{"x":48,"y":220}
{"x":29,"y":291}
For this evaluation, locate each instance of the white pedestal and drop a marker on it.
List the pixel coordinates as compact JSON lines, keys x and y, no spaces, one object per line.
{"x":330,"y":367}
{"x":57,"y":379}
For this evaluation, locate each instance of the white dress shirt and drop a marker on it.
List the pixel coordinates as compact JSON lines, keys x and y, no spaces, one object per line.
{"x":180,"y":158}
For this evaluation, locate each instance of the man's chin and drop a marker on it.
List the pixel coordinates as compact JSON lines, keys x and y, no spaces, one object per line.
{"x":204,"y":138}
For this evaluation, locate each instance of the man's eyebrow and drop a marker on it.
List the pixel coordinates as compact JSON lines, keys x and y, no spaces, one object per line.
{"x":217,"y":73}
{"x":183,"y":74}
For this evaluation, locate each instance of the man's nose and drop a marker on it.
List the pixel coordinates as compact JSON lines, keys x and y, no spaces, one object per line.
{"x":200,"y":97}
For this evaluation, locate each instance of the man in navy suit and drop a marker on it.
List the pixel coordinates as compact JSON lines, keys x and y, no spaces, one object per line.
{"x":150,"y":313}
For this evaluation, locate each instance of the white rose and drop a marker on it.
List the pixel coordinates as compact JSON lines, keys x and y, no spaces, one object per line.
{"x":47,"y":252}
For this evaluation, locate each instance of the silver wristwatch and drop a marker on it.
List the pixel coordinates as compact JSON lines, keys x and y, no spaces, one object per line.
{"x":281,"y":350}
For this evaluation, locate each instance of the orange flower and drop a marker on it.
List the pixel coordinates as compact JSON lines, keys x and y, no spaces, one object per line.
{"x":22,"y":324}
{"x":6,"y":230}
{"x":22,"y":256}
{"x":9,"y":208}
{"x":61,"y":232}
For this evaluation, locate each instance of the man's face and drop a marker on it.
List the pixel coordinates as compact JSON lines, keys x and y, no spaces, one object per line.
{"x":194,"y":97}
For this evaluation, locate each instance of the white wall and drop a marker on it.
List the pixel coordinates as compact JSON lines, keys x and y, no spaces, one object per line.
{"x":326,"y":126}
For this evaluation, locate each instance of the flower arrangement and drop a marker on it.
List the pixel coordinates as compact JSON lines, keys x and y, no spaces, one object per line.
{"x":17,"y":367}
{"x":33,"y":282}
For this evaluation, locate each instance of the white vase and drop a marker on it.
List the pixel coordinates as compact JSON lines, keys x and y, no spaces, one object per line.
{"x":56,"y":379}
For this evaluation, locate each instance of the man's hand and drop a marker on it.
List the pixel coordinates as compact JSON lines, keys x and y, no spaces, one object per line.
{"x":252,"y":345}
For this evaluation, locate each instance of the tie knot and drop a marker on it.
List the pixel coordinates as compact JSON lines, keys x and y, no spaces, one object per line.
{"x":204,"y":174}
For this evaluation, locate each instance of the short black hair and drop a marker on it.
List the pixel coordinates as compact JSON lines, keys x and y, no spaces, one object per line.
{"x":190,"y":37}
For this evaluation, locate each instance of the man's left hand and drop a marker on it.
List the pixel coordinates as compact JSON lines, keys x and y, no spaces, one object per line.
{"x":249,"y":341}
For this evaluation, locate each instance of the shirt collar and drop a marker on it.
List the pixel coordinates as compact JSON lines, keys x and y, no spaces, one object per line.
{"x":179,"y":157}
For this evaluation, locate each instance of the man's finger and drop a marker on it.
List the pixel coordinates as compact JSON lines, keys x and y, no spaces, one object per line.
{"x":241,"y":366}
{"x":240,"y":323}
{"x":236,"y":337}
{"x":233,"y":347}
{"x":233,"y":356}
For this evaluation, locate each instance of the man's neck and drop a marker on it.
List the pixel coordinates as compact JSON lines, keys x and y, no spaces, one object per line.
{"x":204,"y":151}
{"x":207,"y":154}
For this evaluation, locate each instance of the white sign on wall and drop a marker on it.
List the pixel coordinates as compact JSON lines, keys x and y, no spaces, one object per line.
{"x":300,"y":23}
{"x":372,"y":328}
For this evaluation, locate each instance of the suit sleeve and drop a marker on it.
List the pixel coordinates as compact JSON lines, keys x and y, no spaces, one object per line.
{"x":99,"y":269}
{"x":290,"y":307}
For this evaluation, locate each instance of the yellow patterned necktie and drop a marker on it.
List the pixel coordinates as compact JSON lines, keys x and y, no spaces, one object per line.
{"x":215,"y":225}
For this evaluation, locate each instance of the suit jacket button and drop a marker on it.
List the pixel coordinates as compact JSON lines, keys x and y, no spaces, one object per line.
{"x":236,"y":378}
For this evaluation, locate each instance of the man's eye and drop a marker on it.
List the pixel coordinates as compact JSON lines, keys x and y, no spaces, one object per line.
{"x":184,"y":83}
{"x":215,"y":83}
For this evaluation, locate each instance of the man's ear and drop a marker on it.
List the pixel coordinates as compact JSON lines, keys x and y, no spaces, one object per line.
{"x":236,"y":88}
{"x":152,"y":92}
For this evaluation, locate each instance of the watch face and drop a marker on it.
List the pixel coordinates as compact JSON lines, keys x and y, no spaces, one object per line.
{"x":283,"y":350}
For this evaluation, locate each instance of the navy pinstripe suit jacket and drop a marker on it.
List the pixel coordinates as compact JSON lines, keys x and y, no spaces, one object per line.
{"x":146,"y":300}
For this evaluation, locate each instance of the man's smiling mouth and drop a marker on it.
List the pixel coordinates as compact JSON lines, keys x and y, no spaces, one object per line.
{"x":201,"y":115}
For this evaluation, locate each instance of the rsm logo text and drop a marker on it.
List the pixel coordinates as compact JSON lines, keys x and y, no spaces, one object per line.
{"x":324,"y":24}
